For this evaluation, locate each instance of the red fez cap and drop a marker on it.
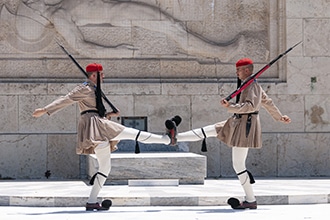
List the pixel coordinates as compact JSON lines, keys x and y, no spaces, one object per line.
{"x":244,"y":62}
{"x":94,"y":67}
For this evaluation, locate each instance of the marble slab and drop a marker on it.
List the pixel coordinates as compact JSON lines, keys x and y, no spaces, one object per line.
{"x":189,"y":168}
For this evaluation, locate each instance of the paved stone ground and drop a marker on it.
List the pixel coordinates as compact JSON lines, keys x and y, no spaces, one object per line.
{"x":269,"y":191}
{"x":264,"y":212}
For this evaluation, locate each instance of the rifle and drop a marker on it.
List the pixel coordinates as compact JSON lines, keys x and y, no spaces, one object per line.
{"x":114,"y":109}
{"x":257,"y":74}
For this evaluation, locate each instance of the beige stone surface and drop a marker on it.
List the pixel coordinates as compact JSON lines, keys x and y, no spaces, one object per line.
{"x":165,"y":58}
{"x":9,"y":112}
{"x":23,"y":156}
{"x":303,"y":156}
{"x":64,"y":121}
{"x":63,"y":162}
{"x":188,"y":168}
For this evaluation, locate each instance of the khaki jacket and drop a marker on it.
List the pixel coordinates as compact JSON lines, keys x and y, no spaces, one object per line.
{"x":233,"y":131}
{"x":92,"y":129}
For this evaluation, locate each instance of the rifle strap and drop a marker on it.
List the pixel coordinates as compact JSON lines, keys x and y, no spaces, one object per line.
{"x":99,"y":103}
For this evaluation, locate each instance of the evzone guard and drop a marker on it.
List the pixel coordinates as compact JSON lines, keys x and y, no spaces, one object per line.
{"x":97,"y":134}
{"x":241,"y":131}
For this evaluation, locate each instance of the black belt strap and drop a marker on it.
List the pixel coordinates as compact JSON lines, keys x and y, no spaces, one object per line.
{"x":248,"y":122}
{"x":251,"y":113}
{"x":89,"y":111}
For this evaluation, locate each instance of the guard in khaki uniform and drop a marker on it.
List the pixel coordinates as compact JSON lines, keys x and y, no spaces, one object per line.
{"x":241,"y":131}
{"x":96,"y":133}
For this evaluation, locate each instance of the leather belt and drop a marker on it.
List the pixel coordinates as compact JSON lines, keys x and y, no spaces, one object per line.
{"x":248,"y":121}
{"x":89,"y":111}
{"x":251,"y":113}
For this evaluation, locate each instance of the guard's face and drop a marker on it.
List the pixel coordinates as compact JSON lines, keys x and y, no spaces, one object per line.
{"x":93,"y":77}
{"x":243,"y":72}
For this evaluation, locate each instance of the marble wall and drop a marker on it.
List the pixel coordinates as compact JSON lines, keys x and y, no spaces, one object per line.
{"x":164,"y":58}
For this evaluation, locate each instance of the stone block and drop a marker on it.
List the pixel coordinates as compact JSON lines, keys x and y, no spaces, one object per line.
{"x":316,"y":117}
{"x":307,"y":9}
{"x":160,"y":108}
{"x":128,"y":146}
{"x":128,"y":69}
{"x":23,"y":88}
{"x":206,"y":110}
{"x":189,"y":168}
{"x":291,"y":105}
{"x":190,"y":89}
{"x":146,"y":40}
{"x":303,"y":155}
{"x":316,"y":44}
{"x":187,"y":69}
{"x":213,"y":155}
{"x":57,"y":89}
{"x":63,"y":162}
{"x":301,"y":71}
{"x":153,"y":182}
{"x":294,"y":29}
{"x":60,"y":122}
{"x":125,"y":104}
{"x":23,"y":156}
{"x":9,"y":112}
{"x":133,"y":87}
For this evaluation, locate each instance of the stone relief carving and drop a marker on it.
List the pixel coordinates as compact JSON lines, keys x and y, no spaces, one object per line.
{"x":133,"y":29}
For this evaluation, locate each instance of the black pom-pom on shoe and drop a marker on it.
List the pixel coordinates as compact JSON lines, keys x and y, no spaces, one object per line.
{"x":169,"y":124}
{"x":106,"y":203}
{"x":177,"y":120}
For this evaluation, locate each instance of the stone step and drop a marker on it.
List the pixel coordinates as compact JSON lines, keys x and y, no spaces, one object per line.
{"x":188,"y":168}
{"x":154,"y":182}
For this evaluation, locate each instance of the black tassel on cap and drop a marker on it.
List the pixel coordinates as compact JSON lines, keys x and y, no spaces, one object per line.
{"x":137,"y":147}
{"x":204,"y":148}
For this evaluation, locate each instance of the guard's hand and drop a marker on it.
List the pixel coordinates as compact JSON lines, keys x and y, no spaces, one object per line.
{"x":285,"y":119}
{"x":112,"y":114}
{"x":224,"y":103}
{"x":39,"y":112}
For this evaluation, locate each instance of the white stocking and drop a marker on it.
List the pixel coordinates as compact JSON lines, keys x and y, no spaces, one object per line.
{"x":144,"y":137}
{"x":197,"y":134}
{"x":239,"y":157}
{"x":102,"y":152}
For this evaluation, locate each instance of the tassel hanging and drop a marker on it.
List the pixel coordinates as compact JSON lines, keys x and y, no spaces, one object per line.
{"x":251,"y":177}
{"x":137,"y":147}
{"x":204,"y":148}
{"x":91,"y":182}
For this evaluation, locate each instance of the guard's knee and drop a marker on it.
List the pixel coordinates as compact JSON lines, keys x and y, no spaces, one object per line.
{"x":249,"y":174}
{"x":94,"y":176}
{"x":238,"y":165}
